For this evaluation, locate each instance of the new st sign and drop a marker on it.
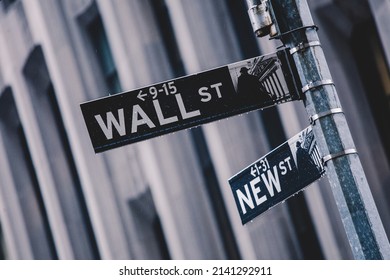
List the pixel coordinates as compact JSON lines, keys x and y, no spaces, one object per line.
{"x":277,"y":176}
{"x":189,"y":101}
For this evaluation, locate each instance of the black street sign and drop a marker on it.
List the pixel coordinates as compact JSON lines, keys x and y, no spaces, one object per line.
{"x":278,"y":175}
{"x":189,"y":101}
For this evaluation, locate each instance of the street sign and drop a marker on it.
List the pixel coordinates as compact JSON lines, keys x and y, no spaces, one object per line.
{"x":276,"y":176}
{"x":189,"y":101}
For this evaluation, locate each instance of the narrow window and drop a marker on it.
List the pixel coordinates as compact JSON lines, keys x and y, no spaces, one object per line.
{"x":2,"y":246}
{"x":7,"y":4}
{"x":103,"y":53}
{"x":61,"y":161}
{"x":25,"y":180}
{"x":148,"y":226}
{"x":374,"y":73}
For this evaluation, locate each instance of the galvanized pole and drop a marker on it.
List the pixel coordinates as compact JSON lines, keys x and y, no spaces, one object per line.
{"x":294,"y":26}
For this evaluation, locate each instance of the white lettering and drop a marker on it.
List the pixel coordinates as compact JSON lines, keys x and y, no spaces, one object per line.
{"x":137,"y":110}
{"x":160,"y":115}
{"x":183,"y":111}
{"x":271,"y":181}
{"x":282,"y":168}
{"x":245,"y":198}
{"x":256,"y":191}
{"x":119,"y":125}
{"x":288,"y":162}
{"x":216,"y":86}
{"x":206,"y":95}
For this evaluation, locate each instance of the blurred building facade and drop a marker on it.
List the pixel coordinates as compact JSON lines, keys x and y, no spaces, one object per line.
{"x":168,"y":198}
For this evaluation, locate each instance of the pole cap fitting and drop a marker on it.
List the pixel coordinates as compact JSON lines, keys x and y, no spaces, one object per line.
{"x":261,"y":18}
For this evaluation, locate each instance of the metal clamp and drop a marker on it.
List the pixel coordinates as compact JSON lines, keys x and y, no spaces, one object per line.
{"x":294,"y":30}
{"x":327,"y":158}
{"x":303,"y":46}
{"x":315,"y":117}
{"x":312,"y":85}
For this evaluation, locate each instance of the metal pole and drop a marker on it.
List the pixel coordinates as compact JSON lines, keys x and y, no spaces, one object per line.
{"x":364,"y":229}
